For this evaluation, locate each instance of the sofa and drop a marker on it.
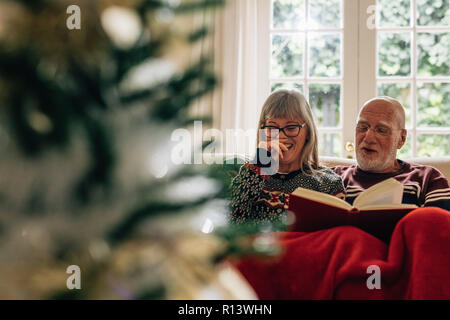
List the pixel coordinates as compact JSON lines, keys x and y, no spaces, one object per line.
{"x":333,"y":263}
{"x":440,"y":163}
{"x":339,"y":262}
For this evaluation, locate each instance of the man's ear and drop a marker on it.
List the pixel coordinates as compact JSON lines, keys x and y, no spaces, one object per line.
{"x":403,"y":135}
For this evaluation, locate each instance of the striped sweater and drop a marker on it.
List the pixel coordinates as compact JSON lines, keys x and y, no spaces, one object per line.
{"x":423,"y":185}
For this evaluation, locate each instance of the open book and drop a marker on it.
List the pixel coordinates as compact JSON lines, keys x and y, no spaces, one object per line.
{"x":376,"y":210}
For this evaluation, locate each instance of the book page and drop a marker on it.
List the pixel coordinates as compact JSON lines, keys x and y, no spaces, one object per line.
{"x":322,"y":198}
{"x":387,"y":192}
{"x":389,"y":206}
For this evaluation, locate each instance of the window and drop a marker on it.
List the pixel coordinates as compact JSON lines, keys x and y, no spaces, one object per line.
{"x":413,"y":65}
{"x":306,"y":46}
{"x":329,"y":51}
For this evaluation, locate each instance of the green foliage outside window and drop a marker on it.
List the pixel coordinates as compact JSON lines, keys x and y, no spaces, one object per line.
{"x":394,"y":59}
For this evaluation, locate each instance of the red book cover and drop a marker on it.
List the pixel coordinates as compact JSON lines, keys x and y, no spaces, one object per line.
{"x":312,"y":215}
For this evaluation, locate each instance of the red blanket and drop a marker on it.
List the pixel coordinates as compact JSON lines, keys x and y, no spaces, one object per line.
{"x":333,"y":263}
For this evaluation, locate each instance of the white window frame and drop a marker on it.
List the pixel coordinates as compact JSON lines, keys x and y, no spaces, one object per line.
{"x":349,"y":69}
{"x":413,"y":79}
{"x":359,"y":77}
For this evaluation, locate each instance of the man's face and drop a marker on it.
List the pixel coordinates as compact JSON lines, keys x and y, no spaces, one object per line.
{"x":378,"y":136}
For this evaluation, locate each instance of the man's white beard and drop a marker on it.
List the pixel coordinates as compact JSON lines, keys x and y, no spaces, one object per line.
{"x":376,"y":165}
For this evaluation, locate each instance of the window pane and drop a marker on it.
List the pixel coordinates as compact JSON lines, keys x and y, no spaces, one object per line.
{"x":324,"y":55}
{"x":287,"y":85}
{"x":433,"y":54}
{"x":288,"y":14}
{"x":406,"y":151}
{"x":433,"y":12}
{"x":329,"y":144}
{"x":394,"y":13}
{"x":401,"y":92}
{"x":433,"y":104}
{"x":394,"y":54}
{"x":325,"y":14}
{"x":287,"y":55}
{"x":324,"y":100}
{"x":433,"y":145}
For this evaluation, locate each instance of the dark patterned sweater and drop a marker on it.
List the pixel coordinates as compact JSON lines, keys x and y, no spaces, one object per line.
{"x":260,"y":198}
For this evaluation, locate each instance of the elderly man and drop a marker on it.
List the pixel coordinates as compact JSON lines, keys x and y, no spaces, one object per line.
{"x":380,"y":132}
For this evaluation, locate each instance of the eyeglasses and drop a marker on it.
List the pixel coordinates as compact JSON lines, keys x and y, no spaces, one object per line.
{"x":381,"y":131}
{"x":290,"y":131}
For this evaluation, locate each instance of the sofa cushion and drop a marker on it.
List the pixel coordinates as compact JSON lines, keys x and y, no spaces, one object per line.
{"x":440,"y":163}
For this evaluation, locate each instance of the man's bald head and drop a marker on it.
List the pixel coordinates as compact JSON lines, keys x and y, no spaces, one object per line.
{"x":390,"y":106}
{"x":380,"y":132}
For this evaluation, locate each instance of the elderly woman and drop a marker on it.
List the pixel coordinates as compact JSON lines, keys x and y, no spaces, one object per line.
{"x":289,"y":140}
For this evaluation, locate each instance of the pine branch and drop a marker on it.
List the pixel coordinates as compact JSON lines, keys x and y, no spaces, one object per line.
{"x":129,"y":58}
{"x":128,"y":226}
{"x":198,"y":34}
{"x":190,"y":6}
{"x":43,"y":95}
{"x":102,"y":161}
{"x":183,"y":90}
{"x":33,"y":4}
{"x":157,"y":293}
{"x":88,"y":87}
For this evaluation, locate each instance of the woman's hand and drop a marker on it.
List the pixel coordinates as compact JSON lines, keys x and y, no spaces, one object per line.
{"x":274,"y":147}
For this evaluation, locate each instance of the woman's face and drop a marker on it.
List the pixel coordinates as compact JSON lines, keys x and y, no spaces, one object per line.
{"x":294,"y":144}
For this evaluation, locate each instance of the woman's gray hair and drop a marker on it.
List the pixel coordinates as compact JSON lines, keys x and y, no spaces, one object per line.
{"x":291,"y":104}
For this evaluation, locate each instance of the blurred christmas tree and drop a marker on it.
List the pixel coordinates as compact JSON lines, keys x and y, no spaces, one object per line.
{"x":86,"y":176}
